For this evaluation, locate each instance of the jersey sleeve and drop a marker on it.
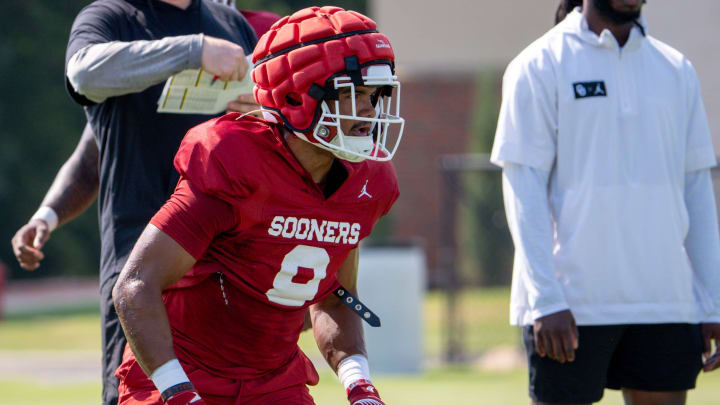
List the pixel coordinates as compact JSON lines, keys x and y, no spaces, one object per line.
{"x":193,"y":218}
{"x":394,"y":190}
{"x":213,"y":155}
{"x":527,"y":126}
{"x":699,"y":152}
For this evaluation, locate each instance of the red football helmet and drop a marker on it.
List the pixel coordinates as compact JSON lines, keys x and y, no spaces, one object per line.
{"x":302,"y":61}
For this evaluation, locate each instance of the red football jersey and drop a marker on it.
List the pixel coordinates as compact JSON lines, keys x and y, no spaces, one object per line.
{"x":267,"y":240}
{"x":260,"y":20}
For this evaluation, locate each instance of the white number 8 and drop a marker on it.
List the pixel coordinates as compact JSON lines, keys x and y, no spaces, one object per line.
{"x":287,"y":292}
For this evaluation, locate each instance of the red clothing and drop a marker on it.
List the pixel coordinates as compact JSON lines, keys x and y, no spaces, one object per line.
{"x":267,"y":241}
{"x":273,"y":388}
{"x":260,"y":20}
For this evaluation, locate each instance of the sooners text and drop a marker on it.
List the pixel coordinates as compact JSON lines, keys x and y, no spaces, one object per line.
{"x":312,"y":229}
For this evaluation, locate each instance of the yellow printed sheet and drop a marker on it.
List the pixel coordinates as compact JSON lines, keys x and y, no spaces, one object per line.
{"x":194,"y":91}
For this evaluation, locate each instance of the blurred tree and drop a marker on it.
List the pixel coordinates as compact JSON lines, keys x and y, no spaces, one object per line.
{"x":40,"y":125}
{"x":485,"y":248}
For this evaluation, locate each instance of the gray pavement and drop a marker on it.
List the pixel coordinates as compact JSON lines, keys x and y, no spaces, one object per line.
{"x":24,"y":296}
{"x":50,"y":367}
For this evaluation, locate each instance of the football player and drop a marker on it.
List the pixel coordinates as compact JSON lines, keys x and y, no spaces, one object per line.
{"x":264,"y":223}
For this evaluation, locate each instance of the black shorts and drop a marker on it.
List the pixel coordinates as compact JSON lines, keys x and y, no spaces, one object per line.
{"x":658,"y":357}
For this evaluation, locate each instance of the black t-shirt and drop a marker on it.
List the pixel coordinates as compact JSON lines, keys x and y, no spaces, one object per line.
{"x":137,"y":144}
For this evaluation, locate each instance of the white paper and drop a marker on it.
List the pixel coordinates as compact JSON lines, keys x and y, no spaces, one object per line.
{"x":193,"y":91}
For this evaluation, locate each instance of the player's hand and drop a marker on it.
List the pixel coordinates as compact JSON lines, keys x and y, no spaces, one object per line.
{"x":363,"y":393}
{"x":185,"y":397}
{"x":28,"y":242}
{"x":710,"y":332}
{"x":556,"y":336}
{"x":244,"y":103}
{"x":223,"y":59}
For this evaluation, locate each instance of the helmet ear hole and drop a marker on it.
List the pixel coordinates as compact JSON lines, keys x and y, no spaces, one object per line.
{"x":293,"y":99}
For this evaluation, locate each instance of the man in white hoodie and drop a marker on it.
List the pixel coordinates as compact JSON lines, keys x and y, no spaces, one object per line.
{"x":606,"y":157}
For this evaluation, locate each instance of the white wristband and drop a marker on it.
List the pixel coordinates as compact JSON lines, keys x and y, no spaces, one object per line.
{"x":353,"y":368}
{"x":169,"y":375}
{"x":48,"y":215}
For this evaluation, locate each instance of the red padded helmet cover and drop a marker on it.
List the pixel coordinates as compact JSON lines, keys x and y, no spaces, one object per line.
{"x":309,"y":47}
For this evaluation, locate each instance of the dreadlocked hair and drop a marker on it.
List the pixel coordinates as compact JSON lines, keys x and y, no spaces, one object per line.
{"x":565,"y":7}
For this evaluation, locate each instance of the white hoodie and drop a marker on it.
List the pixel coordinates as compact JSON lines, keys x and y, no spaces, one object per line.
{"x":619,"y":137}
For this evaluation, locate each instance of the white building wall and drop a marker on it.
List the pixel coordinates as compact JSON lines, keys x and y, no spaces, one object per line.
{"x":452,"y":36}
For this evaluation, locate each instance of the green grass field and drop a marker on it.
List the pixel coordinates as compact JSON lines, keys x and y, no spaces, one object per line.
{"x":64,"y":332}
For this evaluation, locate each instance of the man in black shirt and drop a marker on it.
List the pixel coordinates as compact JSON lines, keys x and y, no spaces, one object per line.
{"x":120,"y":53}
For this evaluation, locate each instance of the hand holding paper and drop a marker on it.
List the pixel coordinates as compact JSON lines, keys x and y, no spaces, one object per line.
{"x":195,"y":91}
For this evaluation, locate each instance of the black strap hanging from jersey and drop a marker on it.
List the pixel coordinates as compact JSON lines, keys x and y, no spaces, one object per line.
{"x":358,"y":307}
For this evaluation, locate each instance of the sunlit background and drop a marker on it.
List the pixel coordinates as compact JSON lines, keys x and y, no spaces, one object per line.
{"x":447,"y":231}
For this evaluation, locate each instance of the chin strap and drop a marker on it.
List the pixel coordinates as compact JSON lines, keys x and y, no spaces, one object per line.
{"x":267,"y":115}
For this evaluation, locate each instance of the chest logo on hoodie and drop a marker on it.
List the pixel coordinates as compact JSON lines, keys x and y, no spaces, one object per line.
{"x":589,"y":89}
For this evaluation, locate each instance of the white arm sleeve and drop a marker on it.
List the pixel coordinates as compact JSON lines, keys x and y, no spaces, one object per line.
{"x":527,"y":207}
{"x":699,"y":152}
{"x":702,"y":242}
{"x":116,"y":68}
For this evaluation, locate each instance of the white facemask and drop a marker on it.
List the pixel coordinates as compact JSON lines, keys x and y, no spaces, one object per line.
{"x":387,"y":112}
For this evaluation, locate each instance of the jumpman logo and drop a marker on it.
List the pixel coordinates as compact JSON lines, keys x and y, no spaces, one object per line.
{"x":364,"y":191}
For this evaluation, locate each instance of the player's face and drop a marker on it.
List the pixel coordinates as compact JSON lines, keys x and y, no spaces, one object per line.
{"x":364,"y":108}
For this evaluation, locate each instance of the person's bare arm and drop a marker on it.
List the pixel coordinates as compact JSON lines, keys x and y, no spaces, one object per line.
{"x":338,"y":331}
{"x":245,"y":103}
{"x":339,"y":336}
{"x":155,"y":263}
{"x":74,"y":189}
{"x":76,"y":184}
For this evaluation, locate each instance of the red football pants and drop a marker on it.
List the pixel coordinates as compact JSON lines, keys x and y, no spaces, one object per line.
{"x":137,"y":389}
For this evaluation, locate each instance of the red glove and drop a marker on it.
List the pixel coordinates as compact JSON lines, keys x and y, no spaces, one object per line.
{"x":182,"y":394}
{"x":361,"y":392}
